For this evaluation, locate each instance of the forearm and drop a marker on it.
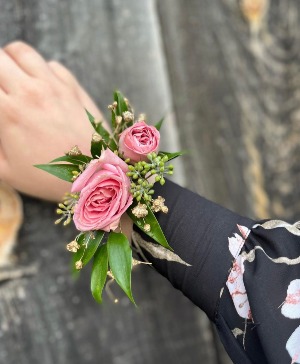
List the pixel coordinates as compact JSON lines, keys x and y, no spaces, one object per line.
{"x":198,"y":231}
{"x":244,"y":275}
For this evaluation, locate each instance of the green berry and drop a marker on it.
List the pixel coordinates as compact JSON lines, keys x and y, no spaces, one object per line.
{"x":162,"y":181}
{"x":157,"y":178}
{"x":135,"y":176}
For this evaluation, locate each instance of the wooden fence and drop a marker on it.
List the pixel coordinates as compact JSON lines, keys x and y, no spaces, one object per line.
{"x":226,"y":74}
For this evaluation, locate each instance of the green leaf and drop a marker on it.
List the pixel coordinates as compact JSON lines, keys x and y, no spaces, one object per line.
{"x":120,"y":261}
{"x":171,"y":155}
{"x":62,"y":171}
{"x":112,"y":145}
{"x":122,"y":106}
{"x":79,"y":159}
{"x":159,"y":124}
{"x":96,"y":148}
{"x":92,"y":242}
{"x":99,"y":272}
{"x":102,"y":131}
{"x":99,"y":128}
{"x":88,"y":246}
{"x":156,"y":232}
{"x":106,"y":136}
{"x":113,"y":120}
{"x":91,"y":119}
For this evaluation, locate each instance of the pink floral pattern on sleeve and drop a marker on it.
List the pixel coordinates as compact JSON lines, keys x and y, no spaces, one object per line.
{"x":235,"y":281}
{"x":293,"y":346}
{"x":291,"y":309}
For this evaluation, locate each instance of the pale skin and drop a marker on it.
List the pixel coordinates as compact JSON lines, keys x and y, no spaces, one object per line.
{"x":41,"y":117}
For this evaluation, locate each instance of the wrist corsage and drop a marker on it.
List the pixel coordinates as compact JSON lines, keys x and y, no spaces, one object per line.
{"x":118,"y":178}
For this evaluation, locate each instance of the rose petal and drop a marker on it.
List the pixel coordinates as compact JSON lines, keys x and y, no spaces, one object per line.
{"x":107,"y":157}
{"x":138,"y":141}
{"x":104,"y":198}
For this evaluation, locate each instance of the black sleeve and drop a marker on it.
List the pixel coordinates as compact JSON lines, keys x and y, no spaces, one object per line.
{"x":242,"y":275}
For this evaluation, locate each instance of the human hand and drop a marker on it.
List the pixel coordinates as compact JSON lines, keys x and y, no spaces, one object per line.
{"x":41,"y":117}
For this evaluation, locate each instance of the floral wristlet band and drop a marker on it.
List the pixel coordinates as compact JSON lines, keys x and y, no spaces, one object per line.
{"x":118,"y":178}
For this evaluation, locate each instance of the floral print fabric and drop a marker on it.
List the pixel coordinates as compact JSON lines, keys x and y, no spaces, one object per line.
{"x":261,"y":300}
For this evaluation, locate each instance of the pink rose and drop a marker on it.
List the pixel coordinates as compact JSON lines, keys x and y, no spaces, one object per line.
{"x":138,"y":141}
{"x":104,"y":193}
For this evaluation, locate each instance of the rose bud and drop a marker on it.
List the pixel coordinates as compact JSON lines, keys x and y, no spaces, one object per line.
{"x":138,"y":141}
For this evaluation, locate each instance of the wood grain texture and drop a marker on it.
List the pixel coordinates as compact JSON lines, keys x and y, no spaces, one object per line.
{"x":234,"y":69}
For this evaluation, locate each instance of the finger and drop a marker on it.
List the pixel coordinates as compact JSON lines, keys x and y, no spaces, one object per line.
{"x":28,"y":59}
{"x":63,"y":74}
{"x":10,"y":73}
{"x":69,"y":79}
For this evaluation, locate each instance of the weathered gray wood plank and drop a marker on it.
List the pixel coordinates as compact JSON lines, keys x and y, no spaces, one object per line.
{"x":234,"y":76}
